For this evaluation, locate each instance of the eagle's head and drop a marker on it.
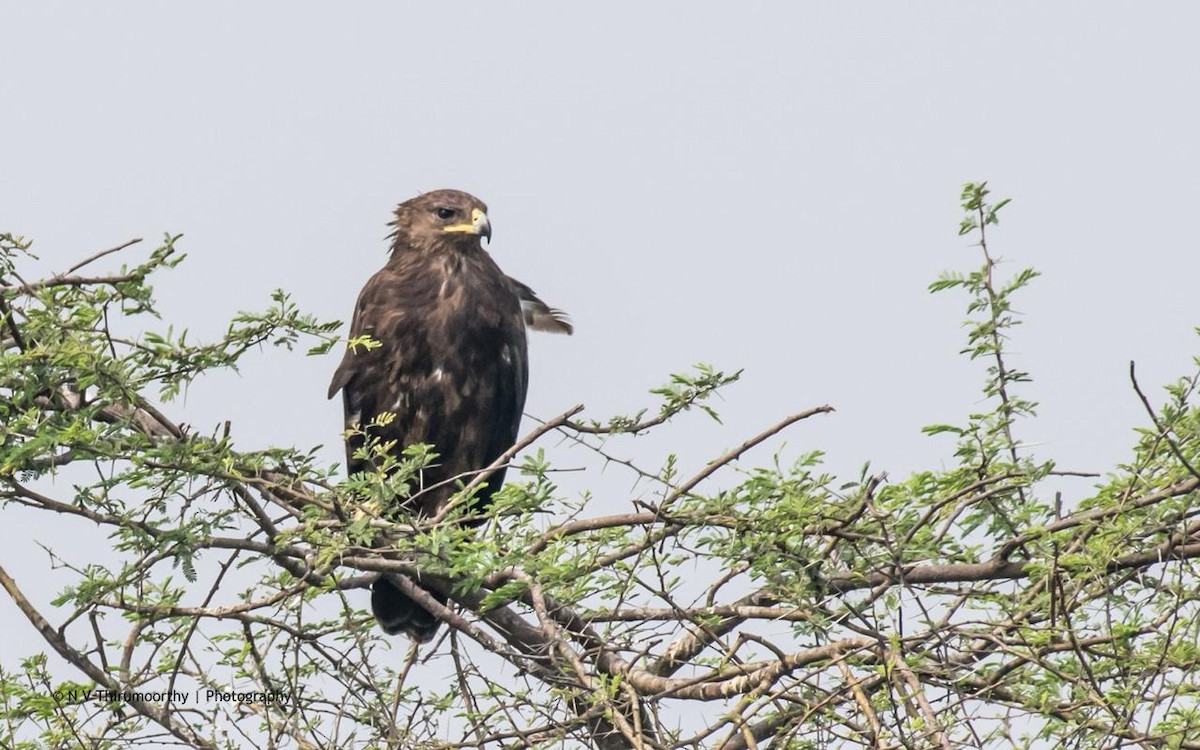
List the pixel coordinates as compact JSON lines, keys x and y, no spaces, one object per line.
{"x":441,"y":218}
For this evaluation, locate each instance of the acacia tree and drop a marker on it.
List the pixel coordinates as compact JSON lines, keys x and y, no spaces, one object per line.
{"x":734,"y":608}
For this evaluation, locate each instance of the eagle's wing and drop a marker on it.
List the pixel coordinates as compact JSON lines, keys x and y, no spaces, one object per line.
{"x":367,"y":376}
{"x":538,"y":315}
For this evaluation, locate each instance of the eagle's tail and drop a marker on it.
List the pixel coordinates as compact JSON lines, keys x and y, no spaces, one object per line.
{"x":397,"y":613}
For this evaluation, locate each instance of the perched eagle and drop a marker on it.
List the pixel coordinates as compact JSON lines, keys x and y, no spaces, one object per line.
{"x":451,"y":364}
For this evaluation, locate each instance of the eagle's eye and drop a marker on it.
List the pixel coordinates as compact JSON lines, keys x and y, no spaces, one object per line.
{"x":445,"y":213}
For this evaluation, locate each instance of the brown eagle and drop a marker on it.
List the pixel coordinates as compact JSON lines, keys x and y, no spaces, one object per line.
{"x":451,"y":364}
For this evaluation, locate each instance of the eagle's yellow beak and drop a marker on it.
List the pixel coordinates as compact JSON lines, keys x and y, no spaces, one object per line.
{"x":479,"y":225}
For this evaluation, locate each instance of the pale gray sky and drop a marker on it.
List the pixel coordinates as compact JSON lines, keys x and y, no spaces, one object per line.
{"x":767,"y":186}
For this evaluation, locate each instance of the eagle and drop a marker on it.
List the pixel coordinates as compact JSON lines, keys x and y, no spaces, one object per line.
{"x":450,"y":365}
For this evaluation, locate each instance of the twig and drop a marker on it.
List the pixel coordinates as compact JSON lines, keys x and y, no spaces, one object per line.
{"x":734,"y":453}
{"x":1158,"y":424}
{"x":102,"y":253}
